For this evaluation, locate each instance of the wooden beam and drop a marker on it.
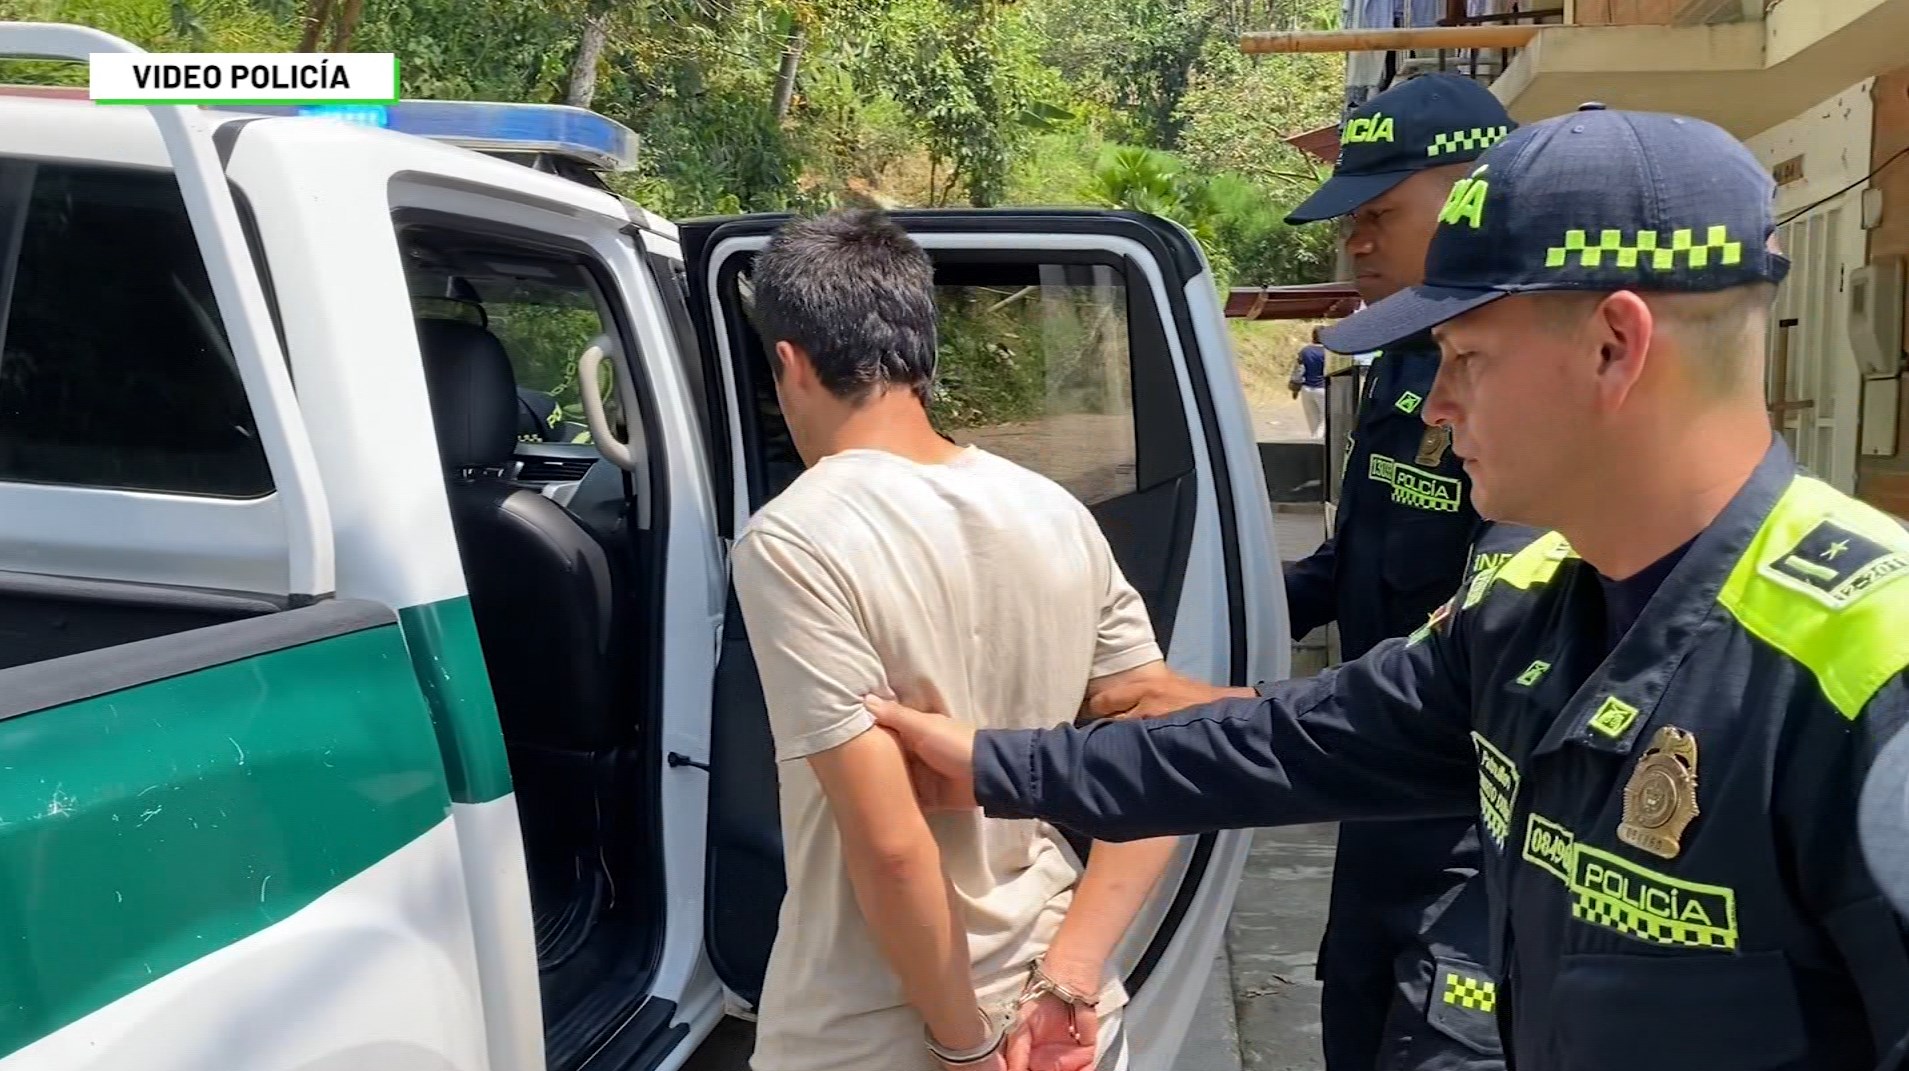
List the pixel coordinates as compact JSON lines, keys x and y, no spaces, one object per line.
{"x":1313,"y":301}
{"x":1425,"y":37}
{"x":1542,"y":14}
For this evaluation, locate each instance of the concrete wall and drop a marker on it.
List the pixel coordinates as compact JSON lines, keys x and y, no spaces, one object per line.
{"x":1818,"y":153}
{"x":1883,"y":477}
{"x":1624,"y":12}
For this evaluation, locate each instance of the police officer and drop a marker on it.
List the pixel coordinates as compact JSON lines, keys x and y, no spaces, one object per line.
{"x":1404,"y":894}
{"x":1661,"y":710}
{"x":539,"y":420}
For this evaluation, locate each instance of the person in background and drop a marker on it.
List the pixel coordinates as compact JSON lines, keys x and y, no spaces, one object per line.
{"x":1308,"y":384}
{"x":1405,"y":907}
{"x":902,"y":563}
{"x":539,"y":419}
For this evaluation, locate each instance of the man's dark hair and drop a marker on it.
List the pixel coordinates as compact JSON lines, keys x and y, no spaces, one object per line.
{"x":854,"y":291}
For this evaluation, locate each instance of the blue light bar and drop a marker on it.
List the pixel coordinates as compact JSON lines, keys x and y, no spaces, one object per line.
{"x":485,"y":126}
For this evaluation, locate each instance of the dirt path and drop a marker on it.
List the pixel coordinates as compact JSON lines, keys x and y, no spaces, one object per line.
{"x":1279,"y":419}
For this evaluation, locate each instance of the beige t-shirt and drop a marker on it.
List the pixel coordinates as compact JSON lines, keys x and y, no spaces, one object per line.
{"x":975,"y":587}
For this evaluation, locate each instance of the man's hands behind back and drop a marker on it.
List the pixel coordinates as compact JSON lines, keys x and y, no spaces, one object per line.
{"x":1049,"y":1036}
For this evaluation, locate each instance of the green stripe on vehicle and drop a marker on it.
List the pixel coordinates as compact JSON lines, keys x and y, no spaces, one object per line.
{"x":146,"y":828}
{"x":450,"y":664}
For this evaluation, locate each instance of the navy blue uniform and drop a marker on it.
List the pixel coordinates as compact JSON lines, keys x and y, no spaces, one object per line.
{"x":538,"y":418}
{"x":1405,"y":520}
{"x":1402,"y":895}
{"x":1669,"y":826}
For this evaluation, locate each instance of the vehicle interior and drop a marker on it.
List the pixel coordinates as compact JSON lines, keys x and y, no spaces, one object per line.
{"x":556,"y":545}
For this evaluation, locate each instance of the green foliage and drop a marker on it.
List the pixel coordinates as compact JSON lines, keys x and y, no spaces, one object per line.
{"x":1241,"y":228}
{"x":1057,"y":165}
{"x":1018,"y":353}
{"x":1141,"y":104}
{"x":474,"y":49}
{"x":1228,"y":125}
{"x":983,"y":374}
{"x":967,"y":75}
{"x":158,"y":25}
{"x":717,"y":149}
{"x":849,"y":137}
{"x":1137,"y":55}
{"x":1148,"y":180}
{"x":1250,"y":227}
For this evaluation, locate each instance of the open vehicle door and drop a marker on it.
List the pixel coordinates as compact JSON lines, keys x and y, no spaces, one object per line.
{"x":1106,"y":368}
{"x":224,"y":822}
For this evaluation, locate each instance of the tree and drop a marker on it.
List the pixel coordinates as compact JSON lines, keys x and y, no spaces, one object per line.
{"x":581,"y":89}
{"x":1136,"y":55}
{"x":968,"y":75}
{"x":340,"y":15}
{"x":1241,"y":229}
{"x":1238,"y":111}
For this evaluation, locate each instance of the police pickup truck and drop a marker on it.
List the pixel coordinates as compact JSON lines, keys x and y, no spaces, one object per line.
{"x":343,"y":726}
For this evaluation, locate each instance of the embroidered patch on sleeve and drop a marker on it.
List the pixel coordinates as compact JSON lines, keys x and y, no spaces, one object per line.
{"x":1836,"y":566}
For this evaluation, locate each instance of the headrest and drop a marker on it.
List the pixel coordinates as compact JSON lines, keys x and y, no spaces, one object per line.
{"x":473,"y":393}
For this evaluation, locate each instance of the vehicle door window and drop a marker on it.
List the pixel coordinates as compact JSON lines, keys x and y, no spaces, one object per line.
{"x":673,"y":286}
{"x":545,"y":306}
{"x":115,"y":369}
{"x":1034,"y":366}
{"x":544,"y":328}
{"x":1058,"y":361}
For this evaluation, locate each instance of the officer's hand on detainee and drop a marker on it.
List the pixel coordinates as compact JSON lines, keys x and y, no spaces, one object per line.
{"x":940,"y":753}
{"x":1152,"y":696}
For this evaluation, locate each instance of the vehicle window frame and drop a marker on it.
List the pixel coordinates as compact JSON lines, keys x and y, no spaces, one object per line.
{"x":671,"y":277}
{"x":1163,"y":448}
{"x":19,"y":174}
{"x":1103,"y":287}
{"x":613,"y":306}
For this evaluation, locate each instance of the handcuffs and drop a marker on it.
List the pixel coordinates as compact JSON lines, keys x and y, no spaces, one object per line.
{"x":997,"y":1036}
{"x":1039,"y":985}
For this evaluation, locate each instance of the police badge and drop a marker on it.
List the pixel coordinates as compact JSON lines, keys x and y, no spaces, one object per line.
{"x":1432,"y":445}
{"x":1661,"y":799}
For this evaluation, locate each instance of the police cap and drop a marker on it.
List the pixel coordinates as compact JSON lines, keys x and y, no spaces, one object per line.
{"x":1599,"y":200}
{"x":1431,"y":121}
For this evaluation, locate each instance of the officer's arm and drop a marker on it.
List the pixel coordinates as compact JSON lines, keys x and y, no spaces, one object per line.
{"x":1310,"y":599}
{"x":1386,"y":736}
{"x":1818,"y":783}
